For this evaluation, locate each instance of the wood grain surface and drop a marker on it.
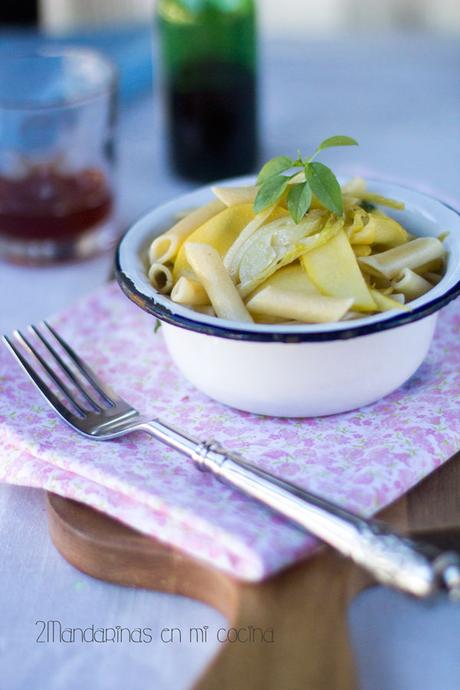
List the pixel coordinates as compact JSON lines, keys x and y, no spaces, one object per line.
{"x":305,"y":604}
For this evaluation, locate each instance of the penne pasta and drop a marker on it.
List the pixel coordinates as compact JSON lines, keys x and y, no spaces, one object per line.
{"x":161,"y":278}
{"x":398,"y":297}
{"x":210,"y":271}
{"x":385,"y":303}
{"x":205,"y":309}
{"x":410,"y":255}
{"x":435,"y":266}
{"x":298,"y":306}
{"x":184,"y":212}
{"x":165,"y":247}
{"x":378,"y":282}
{"x":267,"y":318}
{"x":300,"y":177}
{"x":233,"y":196}
{"x":189,"y":292}
{"x":351,"y":316}
{"x":411,"y":285}
{"x":434,"y":278}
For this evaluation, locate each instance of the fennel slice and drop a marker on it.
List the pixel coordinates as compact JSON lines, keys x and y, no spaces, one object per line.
{"x":233,"y":255}
{"x":270,"y":243}
{"x":306,"y":244}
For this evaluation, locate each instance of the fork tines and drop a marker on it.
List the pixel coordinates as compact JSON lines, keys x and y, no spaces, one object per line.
{"x":76,"y":383}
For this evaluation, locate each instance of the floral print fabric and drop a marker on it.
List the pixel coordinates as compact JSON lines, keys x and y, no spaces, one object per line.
{"x":363,"y":459}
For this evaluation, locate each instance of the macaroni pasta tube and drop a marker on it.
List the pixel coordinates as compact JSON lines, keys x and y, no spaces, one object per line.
{"x":411,"y":285}
{"x":210,"y":271}
{"x":161,"y":278}
{"x":165,"y":247}
{"x":187,"y":291}
{"x":232,"y":196}
{"x":398,"y":297}
{"x":299,"y":306}
{"x":412,"y":255}
{"x":206,"y":309}
{"x":436,"y":266}
{"x":434,"y":278}
{"x":385,"y":303}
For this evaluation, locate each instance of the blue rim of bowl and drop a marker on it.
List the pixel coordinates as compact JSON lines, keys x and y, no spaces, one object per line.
{"x":148,"y":304}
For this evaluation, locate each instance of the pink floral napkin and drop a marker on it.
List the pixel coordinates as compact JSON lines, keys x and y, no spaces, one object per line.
{"x":363,"y":459}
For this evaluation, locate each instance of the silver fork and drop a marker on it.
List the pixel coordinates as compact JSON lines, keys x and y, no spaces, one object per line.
{"x":97,"y":412}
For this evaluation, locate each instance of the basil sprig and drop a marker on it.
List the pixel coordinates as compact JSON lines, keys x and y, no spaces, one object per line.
{"x":319,"y":180}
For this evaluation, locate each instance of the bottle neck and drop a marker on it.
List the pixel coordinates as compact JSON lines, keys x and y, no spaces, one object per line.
{"x":189,"y":10}
{"x":207,"y":32}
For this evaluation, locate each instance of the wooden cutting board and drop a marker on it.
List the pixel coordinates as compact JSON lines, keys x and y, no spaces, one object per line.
{"x":305,"y":604}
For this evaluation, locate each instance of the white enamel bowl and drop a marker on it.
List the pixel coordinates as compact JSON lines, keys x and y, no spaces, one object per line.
{"x":296,"y":370}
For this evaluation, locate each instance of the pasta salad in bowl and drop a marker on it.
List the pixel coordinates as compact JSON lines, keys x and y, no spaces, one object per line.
{"x":283,"y":296}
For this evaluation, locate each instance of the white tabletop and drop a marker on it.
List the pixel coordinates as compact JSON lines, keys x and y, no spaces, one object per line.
{"x":399,"y":97}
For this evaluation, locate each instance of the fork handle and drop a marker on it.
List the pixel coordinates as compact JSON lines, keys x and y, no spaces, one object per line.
{"x":393,"y":560}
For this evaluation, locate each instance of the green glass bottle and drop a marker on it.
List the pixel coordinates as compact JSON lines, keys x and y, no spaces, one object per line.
{"x":208,"y":53}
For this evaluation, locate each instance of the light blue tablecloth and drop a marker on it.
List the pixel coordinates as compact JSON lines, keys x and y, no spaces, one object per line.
{"x":129,"y":47}
{"x":399,"y":97}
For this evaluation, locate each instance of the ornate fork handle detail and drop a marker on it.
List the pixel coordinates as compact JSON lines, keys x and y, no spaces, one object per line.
{"x":393,"y":560}
{"x":405,"y":564}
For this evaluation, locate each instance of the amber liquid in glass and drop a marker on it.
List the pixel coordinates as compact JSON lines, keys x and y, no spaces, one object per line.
{"x":49,"y":204}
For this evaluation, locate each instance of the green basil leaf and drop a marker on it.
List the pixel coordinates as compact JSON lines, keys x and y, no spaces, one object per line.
{"x":299,"y":200}
{"x":274,"y":167}
{"x":337,"y":140}
{"x":324,"y":184}
{"x":270,"y":192}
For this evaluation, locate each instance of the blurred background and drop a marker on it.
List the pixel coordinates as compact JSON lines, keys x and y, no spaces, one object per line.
{"x":295,"y":17}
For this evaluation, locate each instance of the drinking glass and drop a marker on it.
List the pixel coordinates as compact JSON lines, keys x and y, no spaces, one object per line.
{"x":57,"y":119}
